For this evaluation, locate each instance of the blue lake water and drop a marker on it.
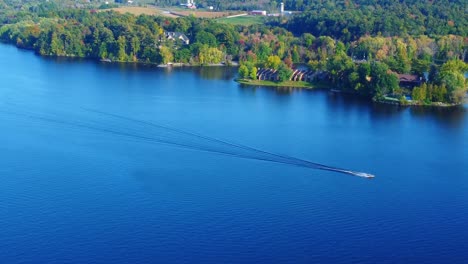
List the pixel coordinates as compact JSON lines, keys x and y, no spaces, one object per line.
{"x":80,"y":186}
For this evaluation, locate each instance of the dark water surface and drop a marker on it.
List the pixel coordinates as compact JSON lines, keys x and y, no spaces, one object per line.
{"x":78,"y":186}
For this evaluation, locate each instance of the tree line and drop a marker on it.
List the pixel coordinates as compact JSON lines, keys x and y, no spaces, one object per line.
{"x":122,"y":37}
{"x":351,"y":19}
{"x":365,"y":64}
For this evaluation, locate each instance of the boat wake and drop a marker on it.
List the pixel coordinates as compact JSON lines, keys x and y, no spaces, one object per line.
{"x":156,"y":133}
{"x":256,"y":154}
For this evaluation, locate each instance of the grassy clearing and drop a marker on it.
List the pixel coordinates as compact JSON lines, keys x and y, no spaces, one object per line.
{"x":169,"y":12}
{"x":242,"y":20}
{"x":204,"y":14}
{"x":294,"y":84}
{"x":135,"y":10}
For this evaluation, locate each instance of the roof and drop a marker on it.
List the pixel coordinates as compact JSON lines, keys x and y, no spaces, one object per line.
{"x":176,"y":35}
{"x":408,"y":78}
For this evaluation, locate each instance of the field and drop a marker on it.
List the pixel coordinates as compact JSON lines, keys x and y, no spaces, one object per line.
{"x":170,"y":12}
{"x":242,"y":20}
{"x":135,"y":10}
{"x":205,"y":14}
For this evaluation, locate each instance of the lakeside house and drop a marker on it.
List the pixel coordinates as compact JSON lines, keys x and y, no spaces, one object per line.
{"x":177,"y":36}
{"x":409,"y":80}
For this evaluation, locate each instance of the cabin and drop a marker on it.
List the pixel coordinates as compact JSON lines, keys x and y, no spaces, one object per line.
{"x":177,"y":36}
{"x":409,"y":80}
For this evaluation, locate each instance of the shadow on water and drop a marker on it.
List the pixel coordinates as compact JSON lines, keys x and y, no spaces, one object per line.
{"x":286,"y":90}
{"x":452,"y":117}
{"x":247,"y":89}
{"x":216,"y":72}
{"x":449,"y":116}
{"x":277,"y":94}
{"x":120,"y":66}
{"x":209,"y":73}
{"x":344,"y":100}
{"x":276,"y":90}
{"x":379,"y":112}
{"x":351,"y":104}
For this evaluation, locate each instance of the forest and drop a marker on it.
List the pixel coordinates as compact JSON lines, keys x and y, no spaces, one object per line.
{"x":349,"y":20}
{"x":358,"y":46}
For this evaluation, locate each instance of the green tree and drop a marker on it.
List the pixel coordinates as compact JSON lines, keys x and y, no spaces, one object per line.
{"x":284,"y":72}
{"x":273,"y":62}
{"x":56,"y":45}
{"x":209,"y":55}
{"x":382,"y":81}
{"x":182,"y":55}
{"x":121,"y":55}
{"x":243,"y":71}
{"x":206,"y":38}
{"x":253,"y":73}
{"x":103,"y":51}
{"x":339,"y":66}
{"x":429,"y":92}
{"x":263,"y":52}
{"x":451,"y":74}
{"x":308,"y":39}
{"x":440,"y":93}
{"x":134,"y":47}
{"x":420,"y":66}
{"x":420,"y":93}
{"x":166,"y":55}
{"x":150,"y":54}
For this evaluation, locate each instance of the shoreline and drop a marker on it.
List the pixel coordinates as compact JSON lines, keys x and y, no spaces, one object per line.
{"x":415,"y":103}
{"x":110,"y":61}
{"x":286,"y":84}
{"x":307,"y":85}
{"x":181,"y":64}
